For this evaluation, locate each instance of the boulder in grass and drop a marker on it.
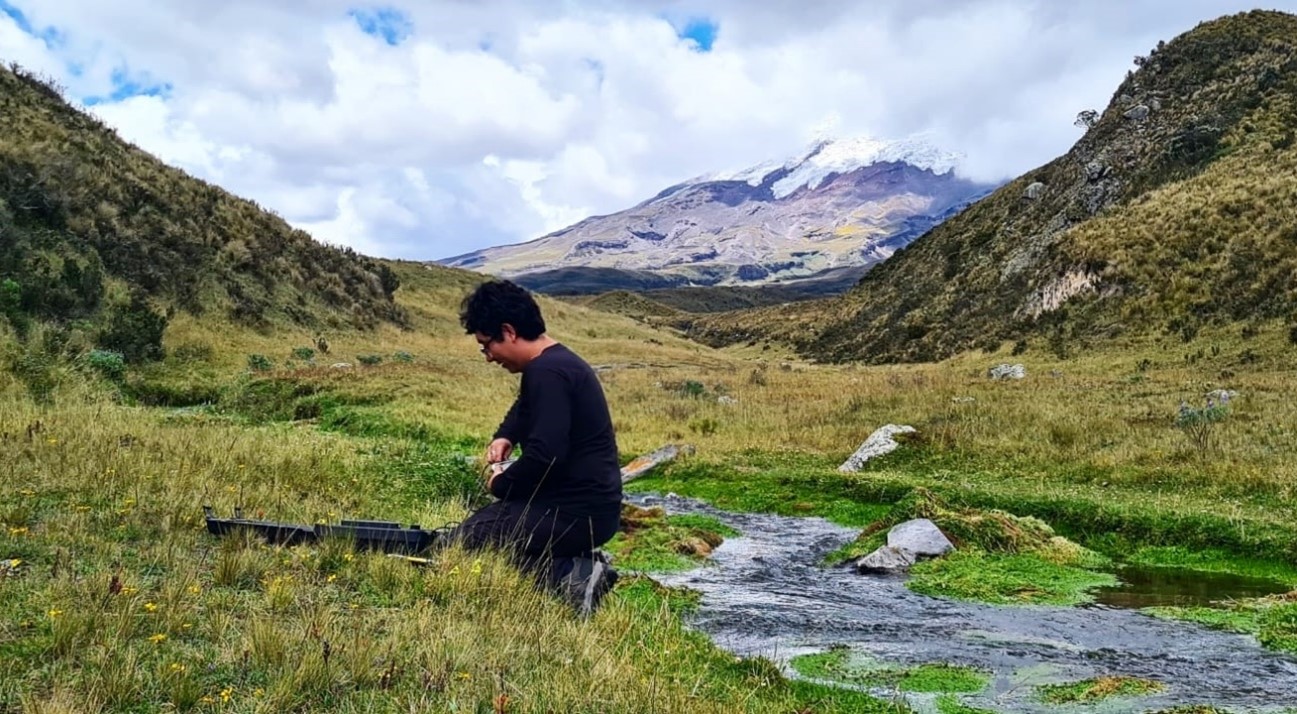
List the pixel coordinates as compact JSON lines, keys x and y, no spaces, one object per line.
{"x":882,"y":441}
{"x":886,"y":560}
{"x":1007,"y":371}
{"x":921,"y":537}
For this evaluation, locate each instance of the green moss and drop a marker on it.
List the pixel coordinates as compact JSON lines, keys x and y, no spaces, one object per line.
{"x":1011,"y":579}
{"x":950,"y":704}
{"x":1098,"y":689}
{"x":653,"y":542}
{"x":840,"y":665}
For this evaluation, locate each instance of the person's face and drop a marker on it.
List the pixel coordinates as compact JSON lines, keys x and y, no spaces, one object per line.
{"x":503,"y":351}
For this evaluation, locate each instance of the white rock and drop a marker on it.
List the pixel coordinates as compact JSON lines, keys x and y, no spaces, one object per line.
{"x":920,"y":537}
{"x":726,"y":399}
{"x":880,"y":442}
{"x":1007,"y":371}
{"x":340,"y":365}
{"x":885,"y":560}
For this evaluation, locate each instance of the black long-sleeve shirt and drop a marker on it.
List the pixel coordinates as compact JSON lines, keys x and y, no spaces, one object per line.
{"x":569,"y":451}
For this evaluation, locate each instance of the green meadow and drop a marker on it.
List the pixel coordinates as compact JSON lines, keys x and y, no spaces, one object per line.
{"x":114,"y":598}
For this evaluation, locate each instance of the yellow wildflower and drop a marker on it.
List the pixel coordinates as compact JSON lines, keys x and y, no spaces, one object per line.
{"x":129,"y":590}
{"x":186,"y":626}
{"x":27,"y":492}
{"x":258,"y":692}
{"x":206,"y":700}
{"x":176,"y":667}
{"x":454,"y":570}
{"x":158,"y":638}
{"x":331,"y":578}
{"x":20,"y":530}
{"x":51,"y":441}
{"x":477,"y":567}
{"x":15,"y":562}
{"x":194,"y":590}
{"x":55,"y":613}
{"x":150,"y":607}
{"x":462,"y":675}
{"x":227,"y":694}
{"x":347,"y":556}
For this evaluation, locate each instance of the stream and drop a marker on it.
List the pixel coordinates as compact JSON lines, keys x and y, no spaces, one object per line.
{"x":764,"y":594}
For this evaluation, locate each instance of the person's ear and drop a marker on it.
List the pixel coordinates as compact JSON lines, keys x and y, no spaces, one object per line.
{"x":508,"y":333}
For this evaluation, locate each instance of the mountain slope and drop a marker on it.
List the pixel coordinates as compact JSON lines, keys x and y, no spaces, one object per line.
{"x":86,"y":216}
{"x":1174,"y":210}
{"x":847,"y":203}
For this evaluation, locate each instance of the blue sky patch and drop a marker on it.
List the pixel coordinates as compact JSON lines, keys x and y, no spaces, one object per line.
{"x":701,"y":30}
{"x":387,"y":23}
{"x":126,"y":85}
{"x":49,"y":35}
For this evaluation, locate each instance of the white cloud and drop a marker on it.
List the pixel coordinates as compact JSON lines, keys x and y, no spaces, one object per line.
{"x":497,"y":121}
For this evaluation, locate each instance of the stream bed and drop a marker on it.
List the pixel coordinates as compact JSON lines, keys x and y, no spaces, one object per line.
{"x":765,"y":594}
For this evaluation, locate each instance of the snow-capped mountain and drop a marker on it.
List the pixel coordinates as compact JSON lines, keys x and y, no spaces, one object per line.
{"x":839,"y":204}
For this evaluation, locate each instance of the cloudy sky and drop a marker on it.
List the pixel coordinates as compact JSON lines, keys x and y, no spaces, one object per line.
{"x":426,"y":128}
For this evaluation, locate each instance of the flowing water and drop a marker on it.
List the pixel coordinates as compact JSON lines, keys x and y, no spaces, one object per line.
{"x":764,"y":594}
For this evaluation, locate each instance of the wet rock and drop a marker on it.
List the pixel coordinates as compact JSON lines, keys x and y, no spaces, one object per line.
{"x":880,"y":442}
{"x":920,"y":537}
{"x":1139,"y":112}
{"x":1034,"y":191}
{"x":1007,"y":371}
{"x":885,"y":560}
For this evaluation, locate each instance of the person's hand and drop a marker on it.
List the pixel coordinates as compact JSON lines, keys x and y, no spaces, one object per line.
{"x":498,"y":450}
{"x":496,"y":470}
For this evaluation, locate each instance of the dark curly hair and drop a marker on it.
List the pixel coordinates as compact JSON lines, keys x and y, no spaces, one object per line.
{"x":496,"y":303}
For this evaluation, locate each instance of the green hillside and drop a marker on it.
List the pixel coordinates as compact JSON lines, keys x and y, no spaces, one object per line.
{"x":1174,"y":211}
{"x":96,"y":231}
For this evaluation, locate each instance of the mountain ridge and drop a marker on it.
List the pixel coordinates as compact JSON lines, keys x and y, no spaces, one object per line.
{"x":95,"y":226}
{"x":1171,"y":212}
{"x":840,"y":203}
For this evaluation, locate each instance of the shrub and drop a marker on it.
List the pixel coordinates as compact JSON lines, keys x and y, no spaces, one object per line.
{"x":705,"y":426}
{"x":260,"y":363}
{"x":692,"y":388}
{"x":306,"y":354}
{"x":402,"y":357}
{"x":1198,"y":424}
{"x":369,"y":360}
{"x":107,"y":363}
{"x":135,"y":331}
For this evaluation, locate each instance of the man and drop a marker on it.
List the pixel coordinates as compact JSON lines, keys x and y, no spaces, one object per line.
{"x":562,"y":498}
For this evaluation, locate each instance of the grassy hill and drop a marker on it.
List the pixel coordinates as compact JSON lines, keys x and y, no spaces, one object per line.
{"x":1175,"y":210}
{"x":96,"y":230}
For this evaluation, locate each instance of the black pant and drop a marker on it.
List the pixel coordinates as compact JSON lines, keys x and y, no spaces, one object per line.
{"x":534,"y":533}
